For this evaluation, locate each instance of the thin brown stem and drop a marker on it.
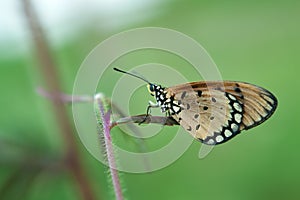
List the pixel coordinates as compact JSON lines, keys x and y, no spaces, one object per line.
{"x":65,"y":97}
{"x":49,"y":73}
{"x":146,"y":119}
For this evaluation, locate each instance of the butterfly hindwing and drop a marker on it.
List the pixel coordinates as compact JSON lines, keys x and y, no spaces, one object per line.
{"x":214,"y":112}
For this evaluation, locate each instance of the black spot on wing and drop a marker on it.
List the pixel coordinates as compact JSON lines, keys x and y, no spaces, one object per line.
{"x":183,"y":94}
{"x":188,"y":106}
{"x":189,"y":128}
{"x":238,"y":90}
{"x":199,"y":93}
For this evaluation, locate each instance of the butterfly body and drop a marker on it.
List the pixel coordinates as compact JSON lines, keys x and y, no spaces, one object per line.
{"x":213,"y":112}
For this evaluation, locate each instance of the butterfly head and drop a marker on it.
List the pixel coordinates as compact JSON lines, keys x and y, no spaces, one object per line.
{"x":151,"y":88}
{"x":157,"y":91}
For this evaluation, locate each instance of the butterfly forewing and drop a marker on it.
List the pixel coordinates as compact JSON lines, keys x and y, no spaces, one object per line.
{"x":259,"y":104}
{"x":214,"y":112}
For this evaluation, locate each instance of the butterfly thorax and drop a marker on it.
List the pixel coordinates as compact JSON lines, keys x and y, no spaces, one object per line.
{"x":166,"y":100}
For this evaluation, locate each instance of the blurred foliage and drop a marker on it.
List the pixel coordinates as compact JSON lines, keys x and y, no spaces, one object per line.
{"x":252,"y":41}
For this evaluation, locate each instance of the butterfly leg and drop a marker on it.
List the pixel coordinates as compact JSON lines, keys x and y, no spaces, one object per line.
{"x":150,"y":105}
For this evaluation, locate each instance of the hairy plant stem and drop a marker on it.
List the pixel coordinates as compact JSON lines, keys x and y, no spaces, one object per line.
{"x":103,"y":121}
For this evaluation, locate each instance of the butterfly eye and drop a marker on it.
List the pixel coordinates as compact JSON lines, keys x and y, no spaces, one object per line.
{"x":151,"y":89}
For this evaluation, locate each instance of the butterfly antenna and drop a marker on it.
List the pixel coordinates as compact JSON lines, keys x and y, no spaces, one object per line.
{"x":119,"y":70}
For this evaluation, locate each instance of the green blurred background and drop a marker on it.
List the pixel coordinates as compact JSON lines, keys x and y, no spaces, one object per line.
{"x":256,"y":42}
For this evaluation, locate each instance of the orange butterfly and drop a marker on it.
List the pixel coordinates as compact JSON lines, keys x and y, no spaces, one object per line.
{"x":213,"y":111}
